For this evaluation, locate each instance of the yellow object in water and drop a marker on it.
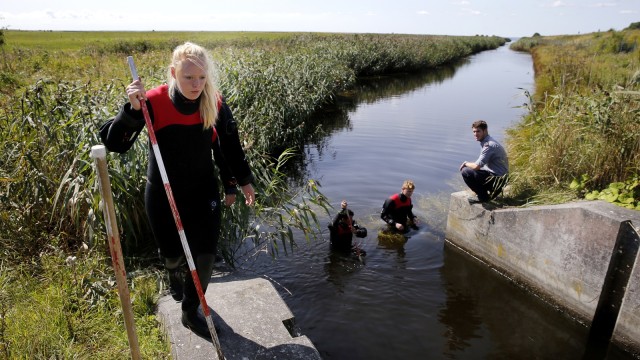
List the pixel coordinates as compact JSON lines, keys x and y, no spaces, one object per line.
{"x":391,"y":239}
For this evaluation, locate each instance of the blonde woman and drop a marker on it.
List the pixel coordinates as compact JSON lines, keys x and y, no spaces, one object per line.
{"x":190,"y":119}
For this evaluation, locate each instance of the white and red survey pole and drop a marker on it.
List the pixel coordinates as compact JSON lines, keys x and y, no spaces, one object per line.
{"x":176,"y":216}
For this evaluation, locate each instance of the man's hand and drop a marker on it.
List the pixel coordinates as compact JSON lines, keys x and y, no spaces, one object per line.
{"x":470,"y":165}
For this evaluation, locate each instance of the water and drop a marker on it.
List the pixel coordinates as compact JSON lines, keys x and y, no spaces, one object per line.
{"x":422,"y":300}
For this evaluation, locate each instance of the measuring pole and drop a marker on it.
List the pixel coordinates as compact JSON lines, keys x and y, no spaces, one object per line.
{"x":176,"y":217}
{"x":99,"y":154}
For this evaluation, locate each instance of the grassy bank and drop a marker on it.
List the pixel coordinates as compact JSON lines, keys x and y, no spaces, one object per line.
{"x":581,"y":138}
{"x":57,"y":88}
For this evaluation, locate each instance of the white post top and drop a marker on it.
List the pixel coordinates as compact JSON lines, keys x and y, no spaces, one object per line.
{"x":98,"y":151}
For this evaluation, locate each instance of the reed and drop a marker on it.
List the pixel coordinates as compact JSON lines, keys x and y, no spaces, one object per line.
{"x":583,"y":124}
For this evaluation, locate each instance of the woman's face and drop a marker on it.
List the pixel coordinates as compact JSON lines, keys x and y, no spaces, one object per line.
{"x":407,"y":192}
{"x":190,"y":78}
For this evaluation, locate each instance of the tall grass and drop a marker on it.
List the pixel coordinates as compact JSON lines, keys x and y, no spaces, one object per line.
{"x":584,"y":123}
{"x":71,"y":310}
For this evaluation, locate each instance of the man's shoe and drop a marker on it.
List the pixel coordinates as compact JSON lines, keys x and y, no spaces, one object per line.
{"x":195,"y":321}
{"x":477,"y":200}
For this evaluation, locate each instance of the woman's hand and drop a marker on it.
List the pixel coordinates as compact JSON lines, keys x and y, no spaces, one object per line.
{"x":249,"y":194}
{"x":229,"y":199}
{"x":136,"y":94}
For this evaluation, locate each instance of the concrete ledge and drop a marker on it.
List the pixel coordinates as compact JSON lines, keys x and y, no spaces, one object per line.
{"x":254,"y":320}
{"x":560,"y":252}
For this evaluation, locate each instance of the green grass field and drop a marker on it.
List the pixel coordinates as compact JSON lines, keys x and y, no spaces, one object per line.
{"x":76,"y":40}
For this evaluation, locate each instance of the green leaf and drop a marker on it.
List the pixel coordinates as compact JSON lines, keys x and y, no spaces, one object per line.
{"x":616,"y":186}
{"x":592,"y":195}
{"x":611,"y":197}
{"x":626,"y":199}
{"x":574,"y":184}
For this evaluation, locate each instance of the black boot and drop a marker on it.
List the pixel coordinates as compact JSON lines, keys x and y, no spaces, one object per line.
{"x":195,"y":321}
{"x":192,"y":314}
{"x":177,"y":269}
{"x":176,"y":283}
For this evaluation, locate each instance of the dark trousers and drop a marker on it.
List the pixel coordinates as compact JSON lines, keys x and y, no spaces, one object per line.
{"x":481,"y":182}
{"x":200,"y":216}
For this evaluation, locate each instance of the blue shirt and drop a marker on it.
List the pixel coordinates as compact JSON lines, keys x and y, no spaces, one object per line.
{"x":493,"y":157}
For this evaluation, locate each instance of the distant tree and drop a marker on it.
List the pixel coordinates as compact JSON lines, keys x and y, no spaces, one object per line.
{"x":634,"y":26}
{"x":536,"y":35}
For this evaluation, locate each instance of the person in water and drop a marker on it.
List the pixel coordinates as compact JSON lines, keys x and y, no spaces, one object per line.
{"x":190,"y":119}
{"x":342,"y":229}
{"x":397,"y":210}
{"x":486,"y":176}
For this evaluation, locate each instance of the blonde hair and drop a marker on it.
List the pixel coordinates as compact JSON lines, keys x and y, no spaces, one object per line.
{"x":210,"y":95}
{"x":408,"y":184}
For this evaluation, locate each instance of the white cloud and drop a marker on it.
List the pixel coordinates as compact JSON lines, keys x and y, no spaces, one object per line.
{"x":423,"y":12}
{"x":471,"y":11}
{"x":599,"y":5}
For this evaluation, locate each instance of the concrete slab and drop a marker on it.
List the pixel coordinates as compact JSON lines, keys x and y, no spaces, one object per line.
{"x":560,"y":252}
{"x":254,"y":320}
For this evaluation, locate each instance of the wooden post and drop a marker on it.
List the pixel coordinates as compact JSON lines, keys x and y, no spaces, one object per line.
{"x":99,"y":154}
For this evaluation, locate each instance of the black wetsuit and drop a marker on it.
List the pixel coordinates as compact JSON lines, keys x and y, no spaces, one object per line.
{"x":341,"y":231}
{"x":186,"y":149}
{"x":397,"y":209}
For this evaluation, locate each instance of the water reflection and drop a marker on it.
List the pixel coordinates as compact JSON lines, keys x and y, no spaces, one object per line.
{"x":335,"y":117}
{"x":461,"y":321}
{"x":371,"y":89}
{"x":516,"y":321}
{"x":339,"y":266}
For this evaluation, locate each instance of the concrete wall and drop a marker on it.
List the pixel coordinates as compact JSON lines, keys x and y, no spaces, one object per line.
{"x":561,"y":252}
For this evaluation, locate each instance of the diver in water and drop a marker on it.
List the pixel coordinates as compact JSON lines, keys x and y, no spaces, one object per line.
{"x":397,"y":210}
{"x":342,"y":229}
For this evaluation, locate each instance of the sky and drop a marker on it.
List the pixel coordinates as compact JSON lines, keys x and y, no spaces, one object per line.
{"x":510,"y":18}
